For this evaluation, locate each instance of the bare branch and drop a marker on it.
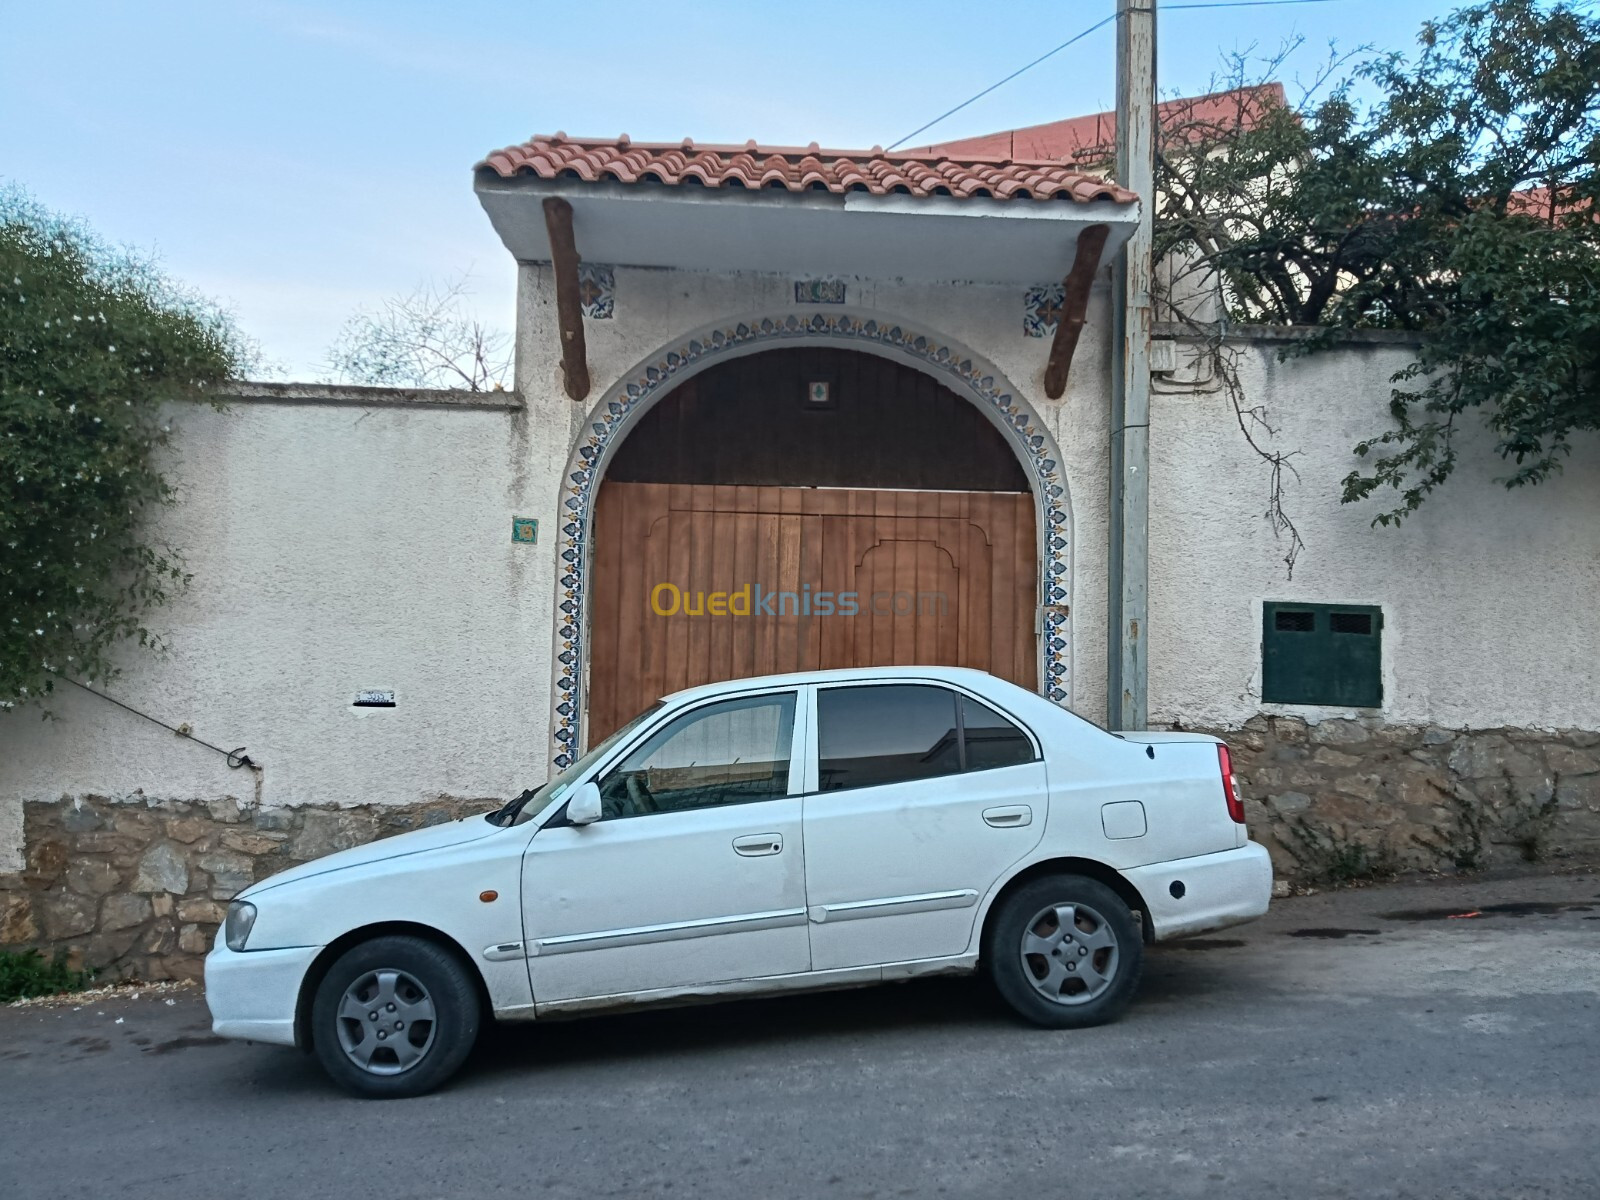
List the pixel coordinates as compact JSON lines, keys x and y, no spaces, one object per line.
{"x":427,"y":338}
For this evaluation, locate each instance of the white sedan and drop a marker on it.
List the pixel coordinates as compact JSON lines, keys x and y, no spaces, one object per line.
{"x":766,"y":835}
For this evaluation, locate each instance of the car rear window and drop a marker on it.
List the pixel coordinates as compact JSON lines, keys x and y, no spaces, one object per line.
{"x":897,"y":733}
{"x":992,"y":740}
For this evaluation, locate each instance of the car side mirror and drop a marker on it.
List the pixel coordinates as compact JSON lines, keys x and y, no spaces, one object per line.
{"x":584,"y":806}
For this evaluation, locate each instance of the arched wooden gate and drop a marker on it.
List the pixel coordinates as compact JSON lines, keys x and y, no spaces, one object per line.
{"x":805,"y":509}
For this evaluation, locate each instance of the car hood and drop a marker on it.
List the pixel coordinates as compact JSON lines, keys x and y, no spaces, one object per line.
{"x":418,"y":841}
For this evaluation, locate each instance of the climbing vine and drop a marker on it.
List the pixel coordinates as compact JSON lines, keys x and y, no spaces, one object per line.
{"x":95,"y":344}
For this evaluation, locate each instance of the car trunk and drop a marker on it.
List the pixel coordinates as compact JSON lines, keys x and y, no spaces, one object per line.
{"x":1186,"y":791}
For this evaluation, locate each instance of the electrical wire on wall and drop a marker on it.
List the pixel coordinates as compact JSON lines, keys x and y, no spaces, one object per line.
{"x":236,"y":758}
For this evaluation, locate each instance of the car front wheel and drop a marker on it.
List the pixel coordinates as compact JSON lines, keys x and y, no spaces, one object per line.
{"x":1064,"y":952}
{"x":394,"y":1017}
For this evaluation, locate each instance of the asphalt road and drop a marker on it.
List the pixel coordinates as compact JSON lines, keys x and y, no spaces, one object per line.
{"x":1374,"y":1056}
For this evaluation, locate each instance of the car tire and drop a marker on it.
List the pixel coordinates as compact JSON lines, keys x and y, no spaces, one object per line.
{"x":394,"y":1017}
{"x":1065,"y":978}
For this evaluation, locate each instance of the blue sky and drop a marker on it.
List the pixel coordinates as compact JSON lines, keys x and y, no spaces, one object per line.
{"x":298,"y":161}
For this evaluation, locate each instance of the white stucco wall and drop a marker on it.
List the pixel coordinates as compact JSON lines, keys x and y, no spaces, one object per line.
{"x":1489,"y":596}
{"x":340,"y":546}
{"x":337,"y":547}
{"x":333,"y":548}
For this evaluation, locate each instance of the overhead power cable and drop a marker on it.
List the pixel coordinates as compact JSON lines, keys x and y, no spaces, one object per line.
{"x":1078,"y":37}
{"x":1047,"y":54}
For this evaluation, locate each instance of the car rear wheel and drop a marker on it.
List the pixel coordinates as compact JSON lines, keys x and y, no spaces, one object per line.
{"x":393,"y":1017}
{"x":1064,"y":952}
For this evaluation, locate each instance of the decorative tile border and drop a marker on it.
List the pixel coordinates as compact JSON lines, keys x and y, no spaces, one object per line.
{"x":1041,"y":309}
{"x":657,"y":376}
{"x":597,"y":291}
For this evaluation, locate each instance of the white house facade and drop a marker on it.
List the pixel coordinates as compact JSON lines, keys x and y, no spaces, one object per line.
{"x":745,"y":375}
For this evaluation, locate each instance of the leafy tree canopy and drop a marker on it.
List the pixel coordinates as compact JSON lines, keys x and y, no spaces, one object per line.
{"x":94,"y":343}
{"x":1460,"y":204}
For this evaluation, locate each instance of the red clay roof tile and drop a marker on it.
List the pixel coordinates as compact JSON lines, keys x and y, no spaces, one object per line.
{"x":797,"y":169}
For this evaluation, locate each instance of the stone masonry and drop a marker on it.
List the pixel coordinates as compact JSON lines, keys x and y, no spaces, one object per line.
{"x":1349,"y":799}
{"x":136,"y":888}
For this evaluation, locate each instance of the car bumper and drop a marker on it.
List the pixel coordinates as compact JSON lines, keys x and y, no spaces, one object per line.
{"x":1215,"y":890}
{"x":253,"y":994}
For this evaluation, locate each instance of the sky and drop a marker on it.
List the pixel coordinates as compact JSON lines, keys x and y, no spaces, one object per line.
{"x":298,"y":162}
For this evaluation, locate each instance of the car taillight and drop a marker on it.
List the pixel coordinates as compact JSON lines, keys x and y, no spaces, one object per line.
{"x":1230,"y":786}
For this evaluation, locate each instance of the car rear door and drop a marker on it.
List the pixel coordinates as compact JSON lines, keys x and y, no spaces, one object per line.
{"x":693,"y":874}
{"x":921,"y":796}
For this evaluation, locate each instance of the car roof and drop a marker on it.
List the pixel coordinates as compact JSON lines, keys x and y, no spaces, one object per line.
{"x":966,"y":676}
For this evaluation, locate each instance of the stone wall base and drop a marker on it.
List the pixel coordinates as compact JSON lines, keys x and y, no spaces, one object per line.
{"x":136,"y":887}
{"x":1351,"y":799}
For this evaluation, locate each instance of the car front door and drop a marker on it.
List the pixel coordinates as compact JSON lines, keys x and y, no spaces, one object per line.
{"x":692,"y":876}
{"x":924,"y":796}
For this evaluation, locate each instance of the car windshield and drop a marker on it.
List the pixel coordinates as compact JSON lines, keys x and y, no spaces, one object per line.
{"x":557,"y":787}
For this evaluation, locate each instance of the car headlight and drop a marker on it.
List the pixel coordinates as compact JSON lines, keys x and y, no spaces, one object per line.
{"x":241,"y":919}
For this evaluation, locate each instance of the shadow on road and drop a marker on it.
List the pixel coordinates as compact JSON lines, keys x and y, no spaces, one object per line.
{"x":787,"y":1020}
{"x":815,"y":1022}
{"x":892,"y":1015}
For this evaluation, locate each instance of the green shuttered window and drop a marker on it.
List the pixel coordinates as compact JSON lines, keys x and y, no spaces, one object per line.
{"x":1322,"y":654}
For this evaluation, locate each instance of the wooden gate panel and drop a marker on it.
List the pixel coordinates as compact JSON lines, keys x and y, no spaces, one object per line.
{"x":975,"y":549}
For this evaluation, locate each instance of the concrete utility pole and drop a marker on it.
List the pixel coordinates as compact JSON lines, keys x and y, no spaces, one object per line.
{"x":1128,"y":564}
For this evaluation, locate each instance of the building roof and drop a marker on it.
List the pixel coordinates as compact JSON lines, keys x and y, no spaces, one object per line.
{"x":794,"y":169}
{"x":1549,"y":204}
{"x":1092,"y":137}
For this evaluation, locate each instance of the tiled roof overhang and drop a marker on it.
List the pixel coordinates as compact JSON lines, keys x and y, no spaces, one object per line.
{"x":807,"y":213}
{"x":792,"y":169}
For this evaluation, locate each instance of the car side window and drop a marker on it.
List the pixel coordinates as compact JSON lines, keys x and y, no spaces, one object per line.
{"x":733,"y":752}
{"x":893,"y":733}
{"x":992,"y":740}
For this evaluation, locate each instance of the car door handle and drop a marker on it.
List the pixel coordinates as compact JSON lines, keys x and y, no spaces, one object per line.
{"x":753,"y":845}
{"x":1012,"y":816}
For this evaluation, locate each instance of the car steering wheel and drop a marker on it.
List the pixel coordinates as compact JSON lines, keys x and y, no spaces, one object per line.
{"x":639,"y":794}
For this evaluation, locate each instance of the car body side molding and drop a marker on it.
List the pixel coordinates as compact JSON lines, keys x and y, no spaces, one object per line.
{"x":857,"y":910}
{"x":672,"y":931}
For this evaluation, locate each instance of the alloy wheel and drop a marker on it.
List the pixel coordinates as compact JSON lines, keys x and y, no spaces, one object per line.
{"x":1069,"y":953}
{"x":386,"y":1022}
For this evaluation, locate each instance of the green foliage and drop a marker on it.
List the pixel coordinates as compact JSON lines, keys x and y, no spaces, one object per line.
{"x":93,"y":344}
{"x":1521,"y":819}
{"x":1531,"y":820}
{"x":1461,"y":204}
{"x":1464,"y":842}
{"x":26,"y":973}
{"x":1327,"y":855}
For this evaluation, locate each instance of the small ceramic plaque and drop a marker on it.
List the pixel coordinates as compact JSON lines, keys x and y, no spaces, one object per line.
{"x":819,"y":291}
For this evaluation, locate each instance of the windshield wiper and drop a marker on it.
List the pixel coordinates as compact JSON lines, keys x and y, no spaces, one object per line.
{"x":507,"y":813}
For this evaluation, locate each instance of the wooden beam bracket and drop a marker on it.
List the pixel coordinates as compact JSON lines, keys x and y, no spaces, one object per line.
{"x":1074,"y":304}
{"x":569,"y":304}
